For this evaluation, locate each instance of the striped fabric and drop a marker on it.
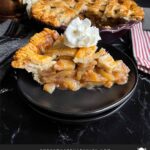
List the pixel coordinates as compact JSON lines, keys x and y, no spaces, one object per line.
{"x":141,"y":47}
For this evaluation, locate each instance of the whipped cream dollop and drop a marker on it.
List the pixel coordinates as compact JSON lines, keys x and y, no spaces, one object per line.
{"x":29,"y":4}
{"x":80,"y":33}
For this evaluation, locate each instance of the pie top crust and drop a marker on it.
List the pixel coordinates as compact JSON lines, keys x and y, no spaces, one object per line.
{"x":103,"y":13}
{"x":57,"y":12}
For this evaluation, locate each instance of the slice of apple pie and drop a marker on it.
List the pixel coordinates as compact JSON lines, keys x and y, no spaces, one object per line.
{"x":55,"y":65}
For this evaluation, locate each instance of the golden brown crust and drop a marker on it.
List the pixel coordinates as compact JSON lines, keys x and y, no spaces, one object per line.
{"x":57,"y":66}
{"x":59,"y":49}
{"x":113,"y":12}
{"x":85,"y":55}
{"x":59,"y":13}
{"x":33,"y":51}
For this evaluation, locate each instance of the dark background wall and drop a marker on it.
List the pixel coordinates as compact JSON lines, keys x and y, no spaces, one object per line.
{"x":143,"y":3}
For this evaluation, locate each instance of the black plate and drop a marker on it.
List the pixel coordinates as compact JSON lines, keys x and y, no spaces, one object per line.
{"x":78,"y":120}
{"x":82,"y":103}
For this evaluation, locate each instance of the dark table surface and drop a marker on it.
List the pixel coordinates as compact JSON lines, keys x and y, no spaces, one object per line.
{"x":20,"y":124}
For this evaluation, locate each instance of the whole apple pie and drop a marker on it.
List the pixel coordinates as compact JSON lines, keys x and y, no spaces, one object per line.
{"x":55,"y":65}
{"x":102,"y":13}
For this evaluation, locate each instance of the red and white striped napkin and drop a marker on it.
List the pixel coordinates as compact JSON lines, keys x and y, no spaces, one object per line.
{"x":141,"y":47}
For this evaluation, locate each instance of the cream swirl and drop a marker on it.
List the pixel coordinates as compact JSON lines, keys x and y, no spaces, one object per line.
{"x":80,"y":33}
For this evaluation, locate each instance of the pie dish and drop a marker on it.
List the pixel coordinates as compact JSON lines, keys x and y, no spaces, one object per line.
{"x":55,"y":65}
{"x":102,"y":13}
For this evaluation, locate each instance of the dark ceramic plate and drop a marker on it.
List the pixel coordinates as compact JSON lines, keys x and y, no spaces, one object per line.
{"x":82,"y":103}
{"x":78,"y":120}
{"x":109,"y":35}
{"x":119,"y":27}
